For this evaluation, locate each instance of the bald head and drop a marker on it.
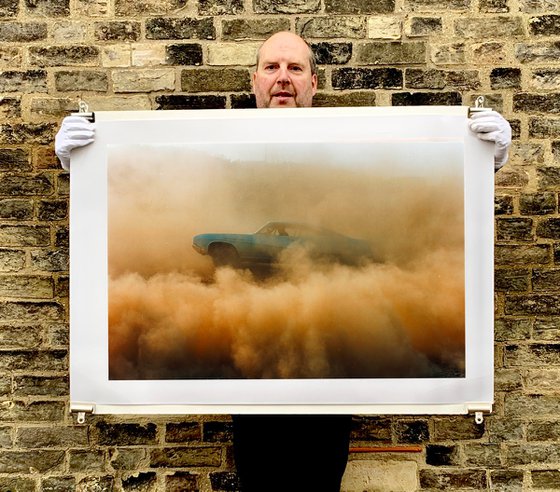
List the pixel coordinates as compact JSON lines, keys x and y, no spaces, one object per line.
{"x":284,"y":36}
{"x":286,"y":74}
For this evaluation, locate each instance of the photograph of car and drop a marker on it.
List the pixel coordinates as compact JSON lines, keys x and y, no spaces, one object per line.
{"x":266,"y":245}
{"x":238,"y":260}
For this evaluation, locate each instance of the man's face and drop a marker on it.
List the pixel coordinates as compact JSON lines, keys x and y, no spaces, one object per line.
{"x":283,"y":77}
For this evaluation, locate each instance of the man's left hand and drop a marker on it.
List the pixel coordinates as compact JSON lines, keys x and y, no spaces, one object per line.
{"x":493,"y":127}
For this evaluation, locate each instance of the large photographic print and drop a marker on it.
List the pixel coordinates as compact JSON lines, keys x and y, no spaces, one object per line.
{"x":286,"y":261}
{"x":315,"y":260}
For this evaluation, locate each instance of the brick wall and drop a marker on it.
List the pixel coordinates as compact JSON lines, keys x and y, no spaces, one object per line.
{"x":175,"y":54}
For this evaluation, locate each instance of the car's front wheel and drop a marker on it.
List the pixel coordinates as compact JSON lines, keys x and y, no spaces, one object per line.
{"x":224,"y":255}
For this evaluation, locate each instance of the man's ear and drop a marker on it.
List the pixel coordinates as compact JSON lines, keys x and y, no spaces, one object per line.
{"x":314,"y":83}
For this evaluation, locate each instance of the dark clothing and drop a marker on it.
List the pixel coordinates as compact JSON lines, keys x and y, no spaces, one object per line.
{"x":291,"y":453}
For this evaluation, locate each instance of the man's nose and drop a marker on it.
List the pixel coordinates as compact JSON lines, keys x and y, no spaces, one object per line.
{"x":283,"y":76}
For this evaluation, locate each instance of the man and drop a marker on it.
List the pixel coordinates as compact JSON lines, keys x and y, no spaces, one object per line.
{"x":289,"y":453}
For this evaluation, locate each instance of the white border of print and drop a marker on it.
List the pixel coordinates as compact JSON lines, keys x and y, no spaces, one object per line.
{"x":90,"y":386}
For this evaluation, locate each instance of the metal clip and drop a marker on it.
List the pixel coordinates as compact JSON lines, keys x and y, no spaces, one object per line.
{"x":478,"y":106}
{"x":83,"y":107}
{"x":81,"y":411}
{"x":478,"y":417}
{"x":83,"y":110}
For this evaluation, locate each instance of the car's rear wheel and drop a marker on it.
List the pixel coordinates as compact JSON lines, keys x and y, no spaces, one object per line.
{"x":224,"y":255}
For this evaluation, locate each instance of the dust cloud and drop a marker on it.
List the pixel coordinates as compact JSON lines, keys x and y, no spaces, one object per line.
{"x":172,"y":314}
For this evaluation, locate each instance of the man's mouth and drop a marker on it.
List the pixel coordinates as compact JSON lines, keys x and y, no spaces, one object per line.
{"x":283,"y":94}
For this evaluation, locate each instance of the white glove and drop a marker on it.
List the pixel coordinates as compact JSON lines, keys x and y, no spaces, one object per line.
{"x":493,"y":127}
{"x":75,"y":131}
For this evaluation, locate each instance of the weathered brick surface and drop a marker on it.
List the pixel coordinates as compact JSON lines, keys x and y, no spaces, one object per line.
{"x":147,"y":7}
{"x":506,"y":480}
{"x":505,"y":78}
{"x":52,"y":437}
{"x":87,"y":461}
{"x":512,"y":328}
{"x":332,"y":53}
{"x":180,"y":28}
{"x":412,"y":432}
{"x":176,"y":101}
{"x":232,"y":54}
{"x":542,"y":52}
{"x":217,"y":431}
{"x":359,"y":6}
{"x":371,"y":429}
{"x":435,"y":5}
{"x":494,"y":6}
{"x":48,"y":8}
{"x":423,"y":26}
{"x":184,"y":54}
{"x":174,"y":54}
{"x":10,"y":107}
{"x":545,"y":479}
{"x":337,"y":27}
{"x":503,"y":205}
{"x":52,"y":56}
{"x":117,"y":31}
{"x":183,"y":432}
{"x":367,"y":78}
{"x":384,"y":27}
{"x":286,"y":6}
{"x":141,"y":481}
{"x":210,"y":80}
{"x":19,"y":484}
{"x":181,"y":481}
{"x":498,"y":26}
{"x":483,"y":455}
{"x":391,"y":53}
{"x":448,"y":480}
{"x":545,"y":79}
{"x":509,"y":280}
{"x":522,"y":255}
{"x":538,"y":203}
{"x":220,"y":7}
{"x":426,"y":99}
{"x":128,"y":458}
{"x":441,"y":79}
{"x":545,"y":25}
{"x":507,"y":380}
{"x":457,"y":428}
{"x":22,"y":32}
{"x":40,"y":385}
{"x":546,"y":329}
{"x":441,"y":455}
{"x":355,"y":98}
{"x":514,"y":229}
{"x":21,"y":461}
{"x":9,"y":8}
{"x":28,"y":336}
{"x":252,"y":29}
{"x":125,"y":434}
{"x":180,"y":457}
{"x":148,"y":80}
{"x":537,"y":103}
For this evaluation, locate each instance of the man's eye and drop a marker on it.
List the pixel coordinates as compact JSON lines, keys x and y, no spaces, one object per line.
{"x":296,"y":68}
{"x":270,"y":67}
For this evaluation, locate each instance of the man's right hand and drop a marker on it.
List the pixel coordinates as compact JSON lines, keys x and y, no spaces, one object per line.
{"x":75,"y":131}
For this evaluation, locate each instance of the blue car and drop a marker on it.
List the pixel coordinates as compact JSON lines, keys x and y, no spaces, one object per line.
{"x":264,"y":246}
